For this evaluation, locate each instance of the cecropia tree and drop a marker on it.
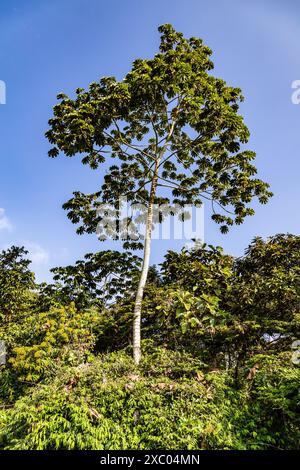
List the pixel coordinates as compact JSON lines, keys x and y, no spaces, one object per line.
{"x":170,"y":132}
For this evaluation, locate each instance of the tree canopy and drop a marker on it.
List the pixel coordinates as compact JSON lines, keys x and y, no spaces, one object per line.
{"x":168,"y":112}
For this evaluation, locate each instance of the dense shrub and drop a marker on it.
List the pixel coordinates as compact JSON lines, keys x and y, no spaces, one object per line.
{"x":40,"y":344}
{"x":172,"y":401}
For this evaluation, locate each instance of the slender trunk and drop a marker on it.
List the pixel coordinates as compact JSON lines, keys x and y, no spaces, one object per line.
{"x":144,"y":272}
{"x":146,"y":256}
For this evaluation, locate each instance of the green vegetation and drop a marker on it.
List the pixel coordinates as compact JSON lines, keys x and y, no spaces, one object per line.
{"x":217,"y":370}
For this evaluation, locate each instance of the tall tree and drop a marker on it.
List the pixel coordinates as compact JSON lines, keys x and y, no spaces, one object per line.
{"x":16,"y":282}
{"x":175,"y":136}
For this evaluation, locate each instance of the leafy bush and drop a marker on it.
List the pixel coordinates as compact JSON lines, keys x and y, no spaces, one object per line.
{"x":109,"y":404}
{"x":170,"y":402}
{"x":40,"y":344}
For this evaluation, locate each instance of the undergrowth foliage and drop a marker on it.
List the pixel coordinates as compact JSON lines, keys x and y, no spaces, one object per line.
{"x":172,"y":401}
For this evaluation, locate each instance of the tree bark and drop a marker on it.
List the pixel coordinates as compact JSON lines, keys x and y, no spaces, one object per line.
{"x":144,"y":273}
{"x":146,"y":257}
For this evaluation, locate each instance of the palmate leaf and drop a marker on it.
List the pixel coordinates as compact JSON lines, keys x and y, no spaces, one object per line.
{"x":171,"y":108}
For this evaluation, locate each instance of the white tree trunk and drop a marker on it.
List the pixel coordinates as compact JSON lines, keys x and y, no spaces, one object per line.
{"x":144,"y":273}
{"x":146,"y":258}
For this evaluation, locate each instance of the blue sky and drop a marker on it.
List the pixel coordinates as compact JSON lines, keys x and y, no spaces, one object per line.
{"x":59,"y":45}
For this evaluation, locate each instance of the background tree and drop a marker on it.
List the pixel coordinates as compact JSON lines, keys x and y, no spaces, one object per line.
{"x":16,"y":283}
{"x":267,"y":286}
{"x":174,"y":135}
{"x":98,"y":280}
{"x":218,"y":308}
{"x":229,"y":309}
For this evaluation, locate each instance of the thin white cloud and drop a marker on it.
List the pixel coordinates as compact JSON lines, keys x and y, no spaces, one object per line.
{"x":38,"y":255}
{"x":5,"y":223}
{"x":278,"y":22}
